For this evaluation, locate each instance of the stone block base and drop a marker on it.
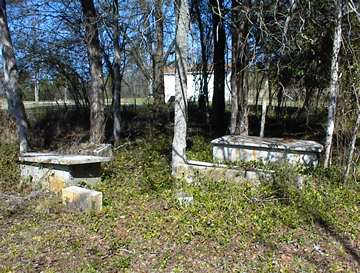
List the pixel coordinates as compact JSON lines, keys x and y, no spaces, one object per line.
{"x":195,"y":169}
{"x":55,"y":177}
{"x":81,"y":199}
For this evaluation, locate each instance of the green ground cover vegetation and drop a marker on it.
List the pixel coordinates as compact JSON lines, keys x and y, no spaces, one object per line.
{"x":230,"y":227}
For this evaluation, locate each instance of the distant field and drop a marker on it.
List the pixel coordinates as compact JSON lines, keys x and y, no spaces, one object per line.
{"x":124,"y":101}
{"x":33,"y":104}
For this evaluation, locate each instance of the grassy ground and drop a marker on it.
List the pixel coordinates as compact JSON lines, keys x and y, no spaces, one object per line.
{"x":142,"y":228}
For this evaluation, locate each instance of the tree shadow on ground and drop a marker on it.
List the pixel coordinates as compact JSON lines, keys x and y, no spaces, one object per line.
{"x":345,"y":242}
{"x":285,"y":194}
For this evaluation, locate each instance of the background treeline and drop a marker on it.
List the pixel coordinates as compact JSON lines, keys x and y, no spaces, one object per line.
{"x":299,"y":57}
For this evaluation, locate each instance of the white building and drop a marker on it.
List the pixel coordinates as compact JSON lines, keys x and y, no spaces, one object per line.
{"x":193,"y":88}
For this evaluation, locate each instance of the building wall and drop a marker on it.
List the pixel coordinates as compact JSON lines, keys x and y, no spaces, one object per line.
{"x":193,"y":80}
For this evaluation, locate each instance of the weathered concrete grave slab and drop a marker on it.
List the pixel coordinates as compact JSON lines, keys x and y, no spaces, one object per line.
{"x":247,"y":148}
{"x":56,"y":171}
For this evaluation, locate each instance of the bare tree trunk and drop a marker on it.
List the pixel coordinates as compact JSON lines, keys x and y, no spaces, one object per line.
{"x":258,"y":91}
{"x":318,"y":96}
{"x":36,"y":90}
{"x":306,"y":104}
{"x":65,"y":93}
{"x":95,"y":53}
{"x":219,"y":67}
{"x":234,"y":100}
{"x":353,"y":141}
{"x":270,"y":93}
{"x":203,"y":97}
{"x":11,"y":81}
{"x":334,"y":84}
{"x":181,"y":51}
{"x":292,"y":7}
{"x":148,"y":33}
{"x":263,"y":117}
{"x":239,"y":97}
{"x":280,"y":98}
{"x":263,"y":109}
{"x":158,"y":84}
{"x":239,"y":108}
{"x":117,"y":76}
{"x":235,"y":55}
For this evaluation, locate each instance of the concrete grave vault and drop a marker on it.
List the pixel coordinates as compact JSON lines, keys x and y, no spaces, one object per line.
{"x":56,"y":171}
{"x":233,"y":148}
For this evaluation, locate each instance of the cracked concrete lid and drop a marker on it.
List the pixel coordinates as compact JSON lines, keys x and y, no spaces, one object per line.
{"x":60,"y":159}
{"x":269,"y":143}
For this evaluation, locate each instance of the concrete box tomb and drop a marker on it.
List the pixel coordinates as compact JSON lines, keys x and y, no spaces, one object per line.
{"x":248,"y":148}
{"x":57,"y":171}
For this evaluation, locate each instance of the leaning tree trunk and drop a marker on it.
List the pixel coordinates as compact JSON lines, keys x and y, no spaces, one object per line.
{"x":353,"y":141}
{"x":96,"y":96}
{"x":11,"y":81}
{"x":218,"y":118}
{"x":117,"y":76}
{"x":334,"y":84}
{"x":180,"y":122}
{"x":158,"y":84}
{"x":239,"y":97}
{"x":291,"y":9}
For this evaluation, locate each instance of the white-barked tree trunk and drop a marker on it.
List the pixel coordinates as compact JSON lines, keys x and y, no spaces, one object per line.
{"x":334,"y":84}
{"x":263,"y":108}
{"x":349,"y":160}
{"x":180,"y":122}
{"x":11,"y":81}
